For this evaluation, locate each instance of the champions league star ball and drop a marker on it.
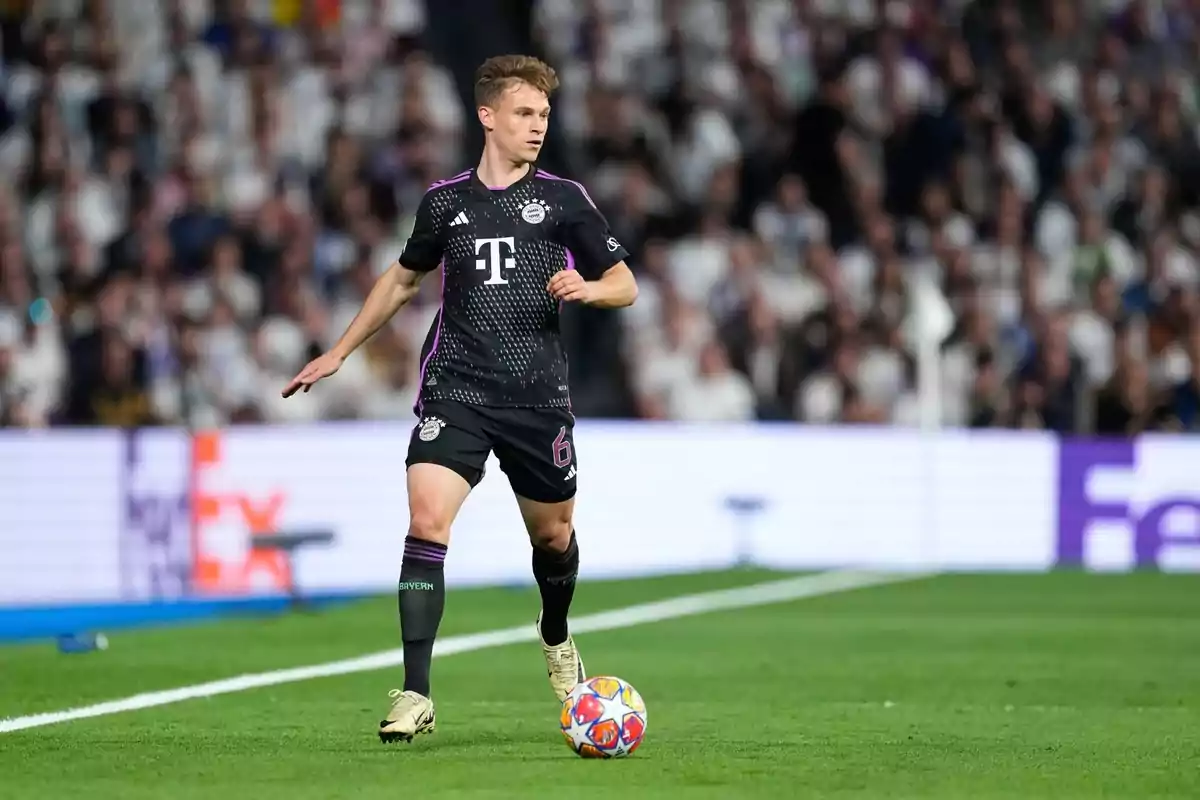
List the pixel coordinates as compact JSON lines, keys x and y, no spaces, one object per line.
{"x":603,"y":717}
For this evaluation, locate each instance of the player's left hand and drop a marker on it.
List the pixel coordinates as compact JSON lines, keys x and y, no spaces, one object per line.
{"x":569,"y":286}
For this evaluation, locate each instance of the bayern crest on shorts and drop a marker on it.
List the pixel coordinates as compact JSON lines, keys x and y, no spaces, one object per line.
{"x":430,"y":428}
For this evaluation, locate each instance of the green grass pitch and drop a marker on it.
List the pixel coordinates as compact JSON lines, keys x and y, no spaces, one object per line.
{"x":959,"y":687}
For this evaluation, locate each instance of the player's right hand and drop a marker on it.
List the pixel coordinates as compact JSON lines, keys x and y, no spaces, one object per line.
{"x":320,"y":367}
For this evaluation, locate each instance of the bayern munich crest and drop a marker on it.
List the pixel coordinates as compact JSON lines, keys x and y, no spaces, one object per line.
{"x":534,"y":212}
{"x":431,"y":427}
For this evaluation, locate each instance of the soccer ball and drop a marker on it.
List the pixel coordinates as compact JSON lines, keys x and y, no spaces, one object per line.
{"x":603,"y":717}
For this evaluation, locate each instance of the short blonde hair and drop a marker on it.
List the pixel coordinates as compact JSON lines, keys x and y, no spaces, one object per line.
{"x":498,"y":73}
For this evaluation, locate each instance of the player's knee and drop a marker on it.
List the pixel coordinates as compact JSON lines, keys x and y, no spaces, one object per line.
{"x":426,"y":523}
{"x":552,"y":534}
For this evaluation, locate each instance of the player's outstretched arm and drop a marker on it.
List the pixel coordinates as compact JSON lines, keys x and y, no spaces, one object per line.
{"x":615,"y":288}
{"x":391,"y":291}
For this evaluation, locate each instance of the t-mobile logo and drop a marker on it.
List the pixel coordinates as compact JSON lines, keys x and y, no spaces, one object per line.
{"x":497,"y":258}
{"x":1116,"y":510}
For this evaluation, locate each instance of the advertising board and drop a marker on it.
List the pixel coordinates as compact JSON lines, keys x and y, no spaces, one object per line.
{"x":161,"y":514}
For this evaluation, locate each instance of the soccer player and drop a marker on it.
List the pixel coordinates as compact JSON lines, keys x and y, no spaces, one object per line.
{"x":513,"y":243}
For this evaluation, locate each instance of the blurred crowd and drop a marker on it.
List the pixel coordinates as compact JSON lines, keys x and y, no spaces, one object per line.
{"x":202,"y":192}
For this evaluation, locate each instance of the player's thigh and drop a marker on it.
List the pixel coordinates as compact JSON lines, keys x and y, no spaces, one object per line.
{"x":536,"y":450}
{"x":446,"y":457}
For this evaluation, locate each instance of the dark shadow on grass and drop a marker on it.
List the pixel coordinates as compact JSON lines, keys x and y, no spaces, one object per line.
{"x":463,"y":741}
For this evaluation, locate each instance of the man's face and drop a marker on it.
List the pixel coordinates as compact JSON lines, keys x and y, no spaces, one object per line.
{"x":518,"y":122}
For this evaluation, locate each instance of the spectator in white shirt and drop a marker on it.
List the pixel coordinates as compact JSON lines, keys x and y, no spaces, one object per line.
{"x":716,"y":394}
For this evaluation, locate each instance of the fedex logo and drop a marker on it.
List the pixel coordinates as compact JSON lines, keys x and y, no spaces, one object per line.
{"x":1125,"y":504}
{"x":223,"y":523}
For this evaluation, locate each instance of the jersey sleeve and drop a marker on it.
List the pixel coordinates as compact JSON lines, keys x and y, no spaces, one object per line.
{"x":586,"y":234}
{"x":423,"y":250}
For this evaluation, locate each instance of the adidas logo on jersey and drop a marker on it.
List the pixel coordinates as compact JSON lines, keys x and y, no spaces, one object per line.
{"x":570,"y":473}
{"x":461,"y":219}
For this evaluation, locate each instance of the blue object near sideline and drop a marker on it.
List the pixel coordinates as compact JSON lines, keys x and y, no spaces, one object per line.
{"x":51,"y":622}
{"x":82,"y":642}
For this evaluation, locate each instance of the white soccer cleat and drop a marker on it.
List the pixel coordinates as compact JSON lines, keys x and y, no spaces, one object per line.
{"x":411,"y":715}
{"x":563,"y":664}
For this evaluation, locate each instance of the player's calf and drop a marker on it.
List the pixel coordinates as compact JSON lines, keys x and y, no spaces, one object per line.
{"x":555,"y":568}
{"x":555,"y":562}
{"x":555,"y":571}
{"x":421,"y":597}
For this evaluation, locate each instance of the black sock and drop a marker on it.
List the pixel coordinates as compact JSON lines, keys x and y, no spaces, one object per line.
{"x":422,"y":597}
{"x":555,"y":574}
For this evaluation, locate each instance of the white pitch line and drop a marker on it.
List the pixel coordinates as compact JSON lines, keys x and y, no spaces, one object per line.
{"x":758,"y":594}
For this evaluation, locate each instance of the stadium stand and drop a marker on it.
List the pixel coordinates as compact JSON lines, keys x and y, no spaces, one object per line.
{"x":203,"y":191}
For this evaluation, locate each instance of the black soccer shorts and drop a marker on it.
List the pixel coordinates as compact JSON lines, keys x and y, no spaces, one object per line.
{"x":535,"y":446}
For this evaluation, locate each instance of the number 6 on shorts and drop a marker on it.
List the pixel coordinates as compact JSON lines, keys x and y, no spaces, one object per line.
{"x":562,"y":449}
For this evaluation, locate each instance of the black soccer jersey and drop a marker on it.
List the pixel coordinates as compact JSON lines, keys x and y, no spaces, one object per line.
{"x":496,"y":339}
